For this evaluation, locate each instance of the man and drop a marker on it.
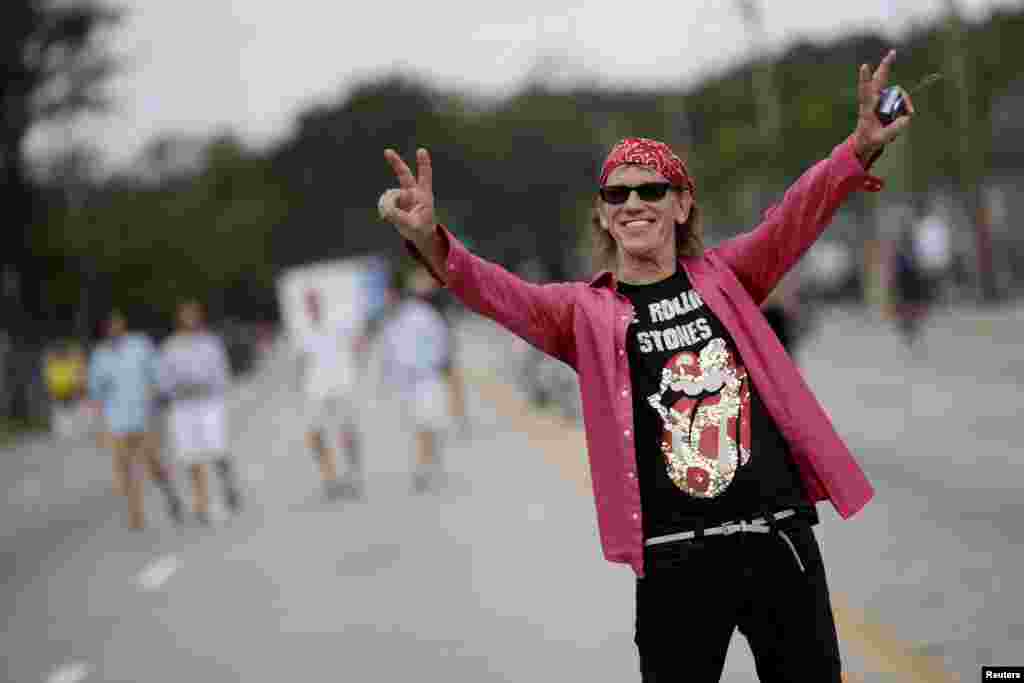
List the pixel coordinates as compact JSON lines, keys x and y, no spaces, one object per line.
{"x":328,"y":372}
{"x":707,"y":449}
{"x":122,"y":385}
{"x":934,"y":252}
{"x":194,"y":376}
{"x":418,"y":364}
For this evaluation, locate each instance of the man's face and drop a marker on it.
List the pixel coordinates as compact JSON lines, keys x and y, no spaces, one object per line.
{"x":644,"y":229}
{"x":313,"y":307}
{"x":117,"y":325}
{"x":190,"y":316}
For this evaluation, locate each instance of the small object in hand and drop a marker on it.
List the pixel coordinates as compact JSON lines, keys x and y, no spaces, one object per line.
{"x":892,"y":104}
{"x":892,"y":101}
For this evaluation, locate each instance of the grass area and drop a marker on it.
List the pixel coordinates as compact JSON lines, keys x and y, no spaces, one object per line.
{"x":11,"y":429}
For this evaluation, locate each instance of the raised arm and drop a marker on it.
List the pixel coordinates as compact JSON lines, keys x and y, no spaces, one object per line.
{"x":410,"y":208}
{"x":761,"y":257}
{"x":540,"y":314}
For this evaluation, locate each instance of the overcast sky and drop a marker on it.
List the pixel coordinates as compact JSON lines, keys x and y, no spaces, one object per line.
{"x":251,"y":65}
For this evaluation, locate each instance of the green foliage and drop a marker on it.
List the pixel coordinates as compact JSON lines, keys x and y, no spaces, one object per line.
{"x":515,"y":175}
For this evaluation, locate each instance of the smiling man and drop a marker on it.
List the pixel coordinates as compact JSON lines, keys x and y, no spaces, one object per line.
{"x":707,"y":450}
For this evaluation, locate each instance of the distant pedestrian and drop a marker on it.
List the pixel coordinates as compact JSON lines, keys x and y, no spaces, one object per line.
{"x":418,"y":363}
{"x":66,"y":376}
{"x":328,"y":372}
{"x":123,"y":385}
{"x":784,"y":311}
{"x":194,"y":376}
{"x":912,"y":289}
{"x":933,"y":252}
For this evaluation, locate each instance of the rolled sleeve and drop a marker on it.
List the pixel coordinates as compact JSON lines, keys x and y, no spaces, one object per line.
{"x":760,"y":258}
{"x":540,"y":314}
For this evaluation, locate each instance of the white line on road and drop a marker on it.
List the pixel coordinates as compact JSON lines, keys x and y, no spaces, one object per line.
{"x":256,"y":473}
{"x":158,"y":572}
{"x":30,"y":489}
{"x":69,"y":673}
{"x":535,"y":512}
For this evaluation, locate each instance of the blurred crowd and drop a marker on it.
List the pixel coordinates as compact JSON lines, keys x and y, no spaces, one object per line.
{"x":153,"y":405}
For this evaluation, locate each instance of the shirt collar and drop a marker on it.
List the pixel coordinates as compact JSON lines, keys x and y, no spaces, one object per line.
{"x":606,"y":278}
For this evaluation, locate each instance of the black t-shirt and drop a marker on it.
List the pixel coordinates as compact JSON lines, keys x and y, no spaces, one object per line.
{"x":706,"y":447}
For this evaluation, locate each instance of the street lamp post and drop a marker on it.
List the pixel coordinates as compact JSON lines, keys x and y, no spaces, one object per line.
{"x":970,"y":173}
{"x":767,"y":107}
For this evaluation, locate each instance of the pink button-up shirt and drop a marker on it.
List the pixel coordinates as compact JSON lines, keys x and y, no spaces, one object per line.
{"x":584,"y":325}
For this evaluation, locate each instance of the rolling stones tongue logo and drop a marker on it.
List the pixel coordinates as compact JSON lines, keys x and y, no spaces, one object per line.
{"x":704,"y":403}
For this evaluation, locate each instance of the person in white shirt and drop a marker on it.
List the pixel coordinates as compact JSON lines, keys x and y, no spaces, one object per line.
{"x":417,"y":358}
{"x":194,"y":376}
{"x":934,"y":251}
{"x":328,"y":371}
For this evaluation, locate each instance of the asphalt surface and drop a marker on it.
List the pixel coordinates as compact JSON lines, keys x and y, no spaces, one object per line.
{"x":498,"y":574}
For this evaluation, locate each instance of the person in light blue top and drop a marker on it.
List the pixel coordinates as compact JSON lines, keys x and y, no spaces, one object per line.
{"x":122,"y":378}
{"x":122,"y":384}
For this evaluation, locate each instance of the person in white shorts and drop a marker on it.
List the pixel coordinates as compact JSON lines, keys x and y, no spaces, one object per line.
{"x":194,"y":375}
{"x":328,"y":372}
{"x":417,"y":361}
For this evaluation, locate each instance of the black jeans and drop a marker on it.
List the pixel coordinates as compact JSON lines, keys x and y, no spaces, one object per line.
{"x":696,"y":593}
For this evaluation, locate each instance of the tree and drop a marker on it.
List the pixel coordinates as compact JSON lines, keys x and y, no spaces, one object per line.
{"x":51,"y":67}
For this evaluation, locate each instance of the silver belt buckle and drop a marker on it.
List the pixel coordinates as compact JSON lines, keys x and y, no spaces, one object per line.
{"x":733,"y":527}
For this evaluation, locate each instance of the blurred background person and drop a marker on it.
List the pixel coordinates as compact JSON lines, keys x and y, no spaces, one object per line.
{"x":934,"y":252}
{"x":194,"y":376}
{"x":911,"y":288}
{"x":423,"y":285}
{"x":328,"y":373}
{"x":66,"y":377}
{"x":122,"y":386}
{"x":782,"y":310}
{"x":418,"y":366}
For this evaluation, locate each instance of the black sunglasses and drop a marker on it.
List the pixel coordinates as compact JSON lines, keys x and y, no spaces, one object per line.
{"x":647,"y":192}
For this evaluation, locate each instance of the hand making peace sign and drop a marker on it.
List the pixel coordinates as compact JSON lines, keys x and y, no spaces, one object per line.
{"x":411,"y":208}
{"x":871,"y":135}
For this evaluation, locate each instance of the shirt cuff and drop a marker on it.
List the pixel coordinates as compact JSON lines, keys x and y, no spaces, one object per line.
{"x":851,"y":163}
{"x":456,"y":253}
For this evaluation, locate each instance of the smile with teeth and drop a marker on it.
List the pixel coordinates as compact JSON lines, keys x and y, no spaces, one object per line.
{"x":639,"y":223}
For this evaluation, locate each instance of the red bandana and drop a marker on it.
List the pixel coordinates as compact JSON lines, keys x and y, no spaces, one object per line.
{"x":653,"y":154}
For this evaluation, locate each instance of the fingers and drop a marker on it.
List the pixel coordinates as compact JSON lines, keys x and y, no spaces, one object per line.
{"x":864,"y":84}
{"x":910,"y":104}
{"x":424,"y":170}
{"x":882,"y":72}
{"x":895,"y":128}
{"x":402,"y":171}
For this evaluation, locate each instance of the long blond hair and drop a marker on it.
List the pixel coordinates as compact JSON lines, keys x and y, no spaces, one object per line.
{"x":689,"y":238}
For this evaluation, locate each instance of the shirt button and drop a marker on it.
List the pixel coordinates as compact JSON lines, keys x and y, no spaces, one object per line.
{"x":626,"y":433}
{"x":622,"y":352}
{"x":636,"y":515}
{"x":632,"y":475}
{"x":625,"y":392}
{"x":451,"y":266}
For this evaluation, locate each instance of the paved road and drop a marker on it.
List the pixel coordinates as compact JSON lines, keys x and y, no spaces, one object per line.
{"x":498,"y":576}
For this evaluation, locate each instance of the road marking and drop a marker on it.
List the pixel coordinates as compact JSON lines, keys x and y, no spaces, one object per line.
{"x":158,"y":572}
{"x":563,"y":444}
{"x":69,"y":673}
{"x":535,"y":512}
{"x":30,"y":488}
{"x":256,"y":473}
